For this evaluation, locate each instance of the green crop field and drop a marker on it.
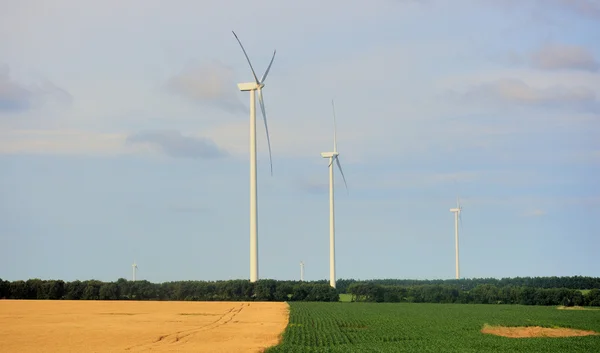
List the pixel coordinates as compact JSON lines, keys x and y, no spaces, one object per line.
{"x":411,"y":327}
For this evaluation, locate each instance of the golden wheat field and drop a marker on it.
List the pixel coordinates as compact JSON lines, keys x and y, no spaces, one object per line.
{"x":29,"y":326}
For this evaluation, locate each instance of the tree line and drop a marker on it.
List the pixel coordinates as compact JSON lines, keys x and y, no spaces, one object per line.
{"x":122,"y":289}
{"x":571,"y":282}
{"x":480,"y":294}
{"x":520,"y":290}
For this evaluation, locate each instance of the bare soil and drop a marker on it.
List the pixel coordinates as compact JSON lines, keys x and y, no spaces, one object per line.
{"x":131,"y":326}
{"x":534,"y":331}
{"x":561,"y":307}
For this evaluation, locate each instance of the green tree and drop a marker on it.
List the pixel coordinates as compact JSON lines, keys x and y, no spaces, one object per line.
{"x":592,"y":298}
{"x":108,"y":291}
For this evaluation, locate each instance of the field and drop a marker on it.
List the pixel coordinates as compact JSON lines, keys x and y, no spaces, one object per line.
{"x":128,"y":326}
{"x":410,"y":327}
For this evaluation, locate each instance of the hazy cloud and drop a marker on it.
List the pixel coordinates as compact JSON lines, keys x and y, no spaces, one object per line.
{"x":207,"y":83}
{"x":584,"y":7}
{"x":556,"y":57}
{"x":517,"y":91}
{"x":15,"y":97}
{"x":312,"y":187}
{"x":188,"y":209}
{"x":587,"y":8}
{"x":174,"y":144}
{"x":534,"y":213}
{"x":60,"y":141}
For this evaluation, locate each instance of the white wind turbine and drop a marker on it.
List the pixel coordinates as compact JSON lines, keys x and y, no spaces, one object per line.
{"x":457,"y":218}
{"x":333,"y":156}
{"x":301,"y":271}
{"x":134,"y":267}
{"x":253,"y":87}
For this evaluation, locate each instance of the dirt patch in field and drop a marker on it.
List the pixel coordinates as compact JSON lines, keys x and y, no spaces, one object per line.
{"x":62,"y":326}
{"x":562,"y":307}
{"x":534,"y":331}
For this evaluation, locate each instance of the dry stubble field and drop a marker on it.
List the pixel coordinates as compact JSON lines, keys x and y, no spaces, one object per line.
{"x":131,"y":326}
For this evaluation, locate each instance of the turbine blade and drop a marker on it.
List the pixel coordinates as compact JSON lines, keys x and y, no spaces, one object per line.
{"x":264,"y":114}
{"x":330,"y":162}
{"x":268,"y":68}
{"x":337,"y":160}
{"x":247,"y":58}
{"x":334,"y":128}
{"x":456,"y":190}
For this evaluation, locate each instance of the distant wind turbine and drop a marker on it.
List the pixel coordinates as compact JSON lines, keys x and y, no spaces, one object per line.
{"x":301,"y":271}
{"x":134,"y":267}
{"x":254,"y":87}
{"x":457,"y":218}
{"x":333,"y":157}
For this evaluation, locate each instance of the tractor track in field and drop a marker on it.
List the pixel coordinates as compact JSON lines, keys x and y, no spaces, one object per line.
{"x":184,"y":335}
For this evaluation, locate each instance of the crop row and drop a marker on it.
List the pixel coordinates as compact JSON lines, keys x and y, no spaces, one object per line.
{"x":372,"y":327}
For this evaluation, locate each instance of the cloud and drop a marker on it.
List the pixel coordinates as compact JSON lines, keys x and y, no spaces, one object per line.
{"x":188,"y":209}
{"x":312,"y":187}
{"x":13,"y":96}
{"x":517,"y":91}
{"x":589,"y":8}
{"x":534,"y":213}
{"x":210,"y":83}
{"x":557,"y":57}
{"x":584,"y":7}
{"x":61,"y":141}
{"x":17,"y":97}
{"x":174,"y":144}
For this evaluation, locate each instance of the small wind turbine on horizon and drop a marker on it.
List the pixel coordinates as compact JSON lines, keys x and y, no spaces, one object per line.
{"x":333,"y":157}
{"x":301,"y":271}
{"x":254,"y":87}
{"x":134,"y":267}
{"x":457,"y":219}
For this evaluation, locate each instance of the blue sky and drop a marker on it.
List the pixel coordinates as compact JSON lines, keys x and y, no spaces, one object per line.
{"x":123,"y":137}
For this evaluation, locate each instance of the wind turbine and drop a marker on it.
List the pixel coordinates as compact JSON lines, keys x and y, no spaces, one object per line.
{"x":254,"y":87}
{"x":457,"y":218}
{"x":134,"y":267}
{"x":301,"y":271}
{"x":333,"y":156}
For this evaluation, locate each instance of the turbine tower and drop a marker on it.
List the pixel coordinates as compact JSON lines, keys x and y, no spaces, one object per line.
{"x":457,"y":218}
{"x":332,"y":156}
{"x":134,"y":268}
{"x":254,"y":87}
{"x":301,"y":271}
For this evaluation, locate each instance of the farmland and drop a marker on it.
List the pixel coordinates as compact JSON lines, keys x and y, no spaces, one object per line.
{"x":411,"y":327}
{"x":135,"y":326}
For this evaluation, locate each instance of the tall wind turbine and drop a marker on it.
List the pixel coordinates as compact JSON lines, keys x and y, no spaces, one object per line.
{"x":457,"y":218}
{"x":301,"y":271}
{"x":134,"y":267}
{"x":332,"y":156}
{"x":254,"y":87}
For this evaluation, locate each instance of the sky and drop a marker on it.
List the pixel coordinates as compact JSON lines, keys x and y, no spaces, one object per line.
{"x":124,"y":137}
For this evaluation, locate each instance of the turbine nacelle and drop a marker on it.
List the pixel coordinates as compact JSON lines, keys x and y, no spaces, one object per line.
{"x":250,"y":86}
{"x":455,"y":210}
{"x":329,"y":154}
